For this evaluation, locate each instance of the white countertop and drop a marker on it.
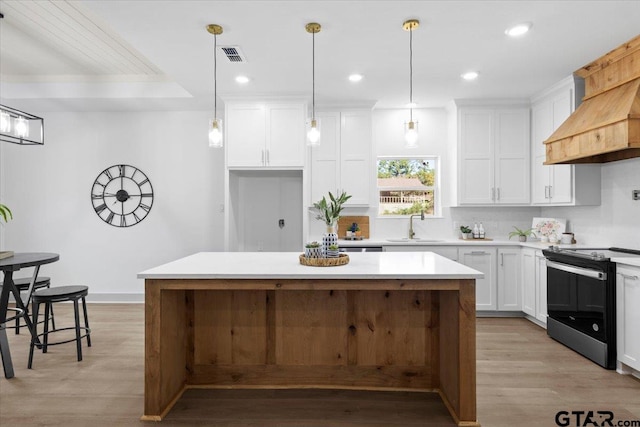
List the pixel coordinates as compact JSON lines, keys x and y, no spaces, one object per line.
{"x":450,"y":242}
{"x":286,"y":265}
{"x":631,"y":260}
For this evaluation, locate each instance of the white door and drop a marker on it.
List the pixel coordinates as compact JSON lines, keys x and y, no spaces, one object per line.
{"x":541,"y":288}
{"x":325,"y":159}
{"x":355,"y":156}
{"x":529,"y":282}
{"x":245,"y":131}
{"x":285,"y":135}
{"x":628,"y":316}
{"x":509,"y":284}
{"x":476,"y":157}
{"x":512,"y":158}
{"x":484,"y":261}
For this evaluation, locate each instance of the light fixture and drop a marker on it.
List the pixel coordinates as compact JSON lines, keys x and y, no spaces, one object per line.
{"x":518,"y":30}
{"x":242,"y":79}
{"x":215,"y":126}
{"x":355,"y":78}
{"x":411,"y":127}
{"x":313,"y":124}
{"x":16,"y":126}
{"x":470,"y":75}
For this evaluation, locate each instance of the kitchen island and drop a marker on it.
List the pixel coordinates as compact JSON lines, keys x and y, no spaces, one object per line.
{"x":385,"y":321}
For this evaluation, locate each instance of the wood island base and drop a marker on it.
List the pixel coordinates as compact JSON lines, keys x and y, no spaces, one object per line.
{"x":356,"y":334}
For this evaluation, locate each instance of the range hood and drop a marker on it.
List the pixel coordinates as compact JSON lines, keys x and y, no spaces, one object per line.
{"x":606,"y":126}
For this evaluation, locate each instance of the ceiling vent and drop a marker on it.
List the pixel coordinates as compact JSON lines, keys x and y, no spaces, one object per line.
{"x":233,"y":54}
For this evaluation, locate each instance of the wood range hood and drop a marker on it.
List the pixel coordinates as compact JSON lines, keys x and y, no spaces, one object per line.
{"x":606,"y":126}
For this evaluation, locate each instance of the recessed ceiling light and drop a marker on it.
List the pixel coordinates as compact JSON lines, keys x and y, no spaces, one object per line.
{"x":471,"y":75}
{"x":242,"y":79}
{"x":355,"y":77}
{"x":518,"y":30}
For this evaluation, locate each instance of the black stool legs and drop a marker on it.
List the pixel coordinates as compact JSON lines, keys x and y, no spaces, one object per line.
{"x":59,"y":294}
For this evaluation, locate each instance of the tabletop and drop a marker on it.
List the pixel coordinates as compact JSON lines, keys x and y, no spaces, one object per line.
{"x":27,"y":259}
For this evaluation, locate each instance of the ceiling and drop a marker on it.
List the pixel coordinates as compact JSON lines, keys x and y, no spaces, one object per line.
{"x":116,"y":55}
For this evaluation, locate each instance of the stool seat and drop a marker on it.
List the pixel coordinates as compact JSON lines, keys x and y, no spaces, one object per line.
{"x":60,"y":293}
{"x":22,"y":284}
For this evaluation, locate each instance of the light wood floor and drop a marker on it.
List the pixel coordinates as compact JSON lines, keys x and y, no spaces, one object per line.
{"x":524,"y":379}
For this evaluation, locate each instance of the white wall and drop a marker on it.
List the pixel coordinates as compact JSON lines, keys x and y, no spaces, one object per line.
{"x":48,"y":189}
{"x":616,"y":222}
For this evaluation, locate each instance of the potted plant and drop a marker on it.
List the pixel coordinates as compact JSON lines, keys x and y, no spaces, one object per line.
{"x":312,"y":250}
{"x":329,"y":212}
{"x":333,"y":251}
{"x":466,"y":232}
{"x":522,"y":234}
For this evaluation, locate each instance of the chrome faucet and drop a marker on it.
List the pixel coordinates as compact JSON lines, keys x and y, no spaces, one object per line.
{"x":411,"y":232}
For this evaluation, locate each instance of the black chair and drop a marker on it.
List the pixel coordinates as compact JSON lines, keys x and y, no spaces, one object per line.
{"x":22,"y":285}
{"x":59,"y":294}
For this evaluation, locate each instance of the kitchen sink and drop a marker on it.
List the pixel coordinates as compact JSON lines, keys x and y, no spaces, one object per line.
{"x":414,"y":240}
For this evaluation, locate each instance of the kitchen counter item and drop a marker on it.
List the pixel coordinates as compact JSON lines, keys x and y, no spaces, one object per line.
{"x":342,"y":259}
{"x":344,"y":224}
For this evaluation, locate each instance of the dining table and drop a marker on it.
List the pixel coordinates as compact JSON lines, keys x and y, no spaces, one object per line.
{"x":8,"y":266}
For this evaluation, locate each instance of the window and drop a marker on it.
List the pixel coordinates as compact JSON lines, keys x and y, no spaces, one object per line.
{"x":407,"y":186}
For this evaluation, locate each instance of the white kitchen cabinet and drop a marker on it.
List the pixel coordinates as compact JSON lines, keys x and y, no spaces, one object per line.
{"x":628,"y":316}
{"x":484,"y":260}
{"x":559,"y":184}
{"x":509,"y":279}
{"x":260,"y":134}
{"x":529,"y":281}
{"x":493,"y":155}
{"x":450,"y":252}
{"x":541,"y":288}
{"x":343,"y":161}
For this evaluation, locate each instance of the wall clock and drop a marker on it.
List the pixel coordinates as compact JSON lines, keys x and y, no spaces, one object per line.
{"x":122,"y":195}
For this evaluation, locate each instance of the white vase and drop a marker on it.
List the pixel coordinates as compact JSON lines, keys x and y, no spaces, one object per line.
{"x":328,"y":239}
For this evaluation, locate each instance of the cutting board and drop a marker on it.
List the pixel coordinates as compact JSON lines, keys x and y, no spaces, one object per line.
{"x":344,"y":223}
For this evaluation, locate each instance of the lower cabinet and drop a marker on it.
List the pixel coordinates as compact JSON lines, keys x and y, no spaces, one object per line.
{"x":484,"y":260}
{"x":628,"y":315}
{"x":534,"y":284}
{"x":509,"y":284}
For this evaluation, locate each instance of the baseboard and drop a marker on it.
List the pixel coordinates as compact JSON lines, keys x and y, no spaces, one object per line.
{"x":489,"y":313}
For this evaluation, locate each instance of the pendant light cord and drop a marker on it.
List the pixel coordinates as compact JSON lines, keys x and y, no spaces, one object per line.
{"x":313,"y":75}
{"x":215,"y":78}
{"x":411,"y":74}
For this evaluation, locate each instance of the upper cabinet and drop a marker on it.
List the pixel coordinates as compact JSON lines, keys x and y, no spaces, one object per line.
{"x":343,"y":160}
{"x":493,"y":155}
{"x":559,"y":184}
{"x":263,"y":134}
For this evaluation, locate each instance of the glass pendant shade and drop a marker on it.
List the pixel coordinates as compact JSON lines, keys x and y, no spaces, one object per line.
{"x":313,"y":132}
{"x":411,"y":134}
{"x":22,"y":127}
{"x":215,"y":133}
{"x":5,"y":121}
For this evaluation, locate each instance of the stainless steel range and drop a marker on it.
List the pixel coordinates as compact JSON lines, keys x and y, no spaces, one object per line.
{"x":581,"y":300}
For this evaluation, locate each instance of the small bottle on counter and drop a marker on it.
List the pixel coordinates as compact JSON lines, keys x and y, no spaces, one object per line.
{"x":481,"y":232}
{"x":476,"y":231}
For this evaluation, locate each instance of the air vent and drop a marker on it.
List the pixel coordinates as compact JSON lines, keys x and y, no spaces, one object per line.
{"x":233,"y":54}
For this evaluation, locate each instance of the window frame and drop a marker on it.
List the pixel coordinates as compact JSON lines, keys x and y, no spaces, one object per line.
{"x":437,"y":208}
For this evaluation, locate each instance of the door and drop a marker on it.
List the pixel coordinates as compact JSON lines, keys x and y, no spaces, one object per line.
{"x":285,"y":135}
{"x":529,"y":282}
{"x":476,"y":162}
{"x":628,"y":316}
{"x":512,"y":163}
{"x":355,"y":156}
{"x":325,"y":161}
{"x":484,"y":261}
{"x":541,"y":287}
{"x":245,"y":135}
{"x":509,"y":284}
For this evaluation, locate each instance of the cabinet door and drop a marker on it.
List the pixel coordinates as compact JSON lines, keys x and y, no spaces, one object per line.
{"x":628,"y":316}
{"x":512,"y":159}
{"x":476,"y":162}
{"x":325,"y":163}
{"x":541,"y":287}
{"x":285,"y":135}
{"x":541,"y":129}
{"x":355,"y":156}
{"x":484,"y":261}
{"x":245,"y":130}
{"x":529,"y":282}
{"x":509,"y":284}
{"x":561,"y":184}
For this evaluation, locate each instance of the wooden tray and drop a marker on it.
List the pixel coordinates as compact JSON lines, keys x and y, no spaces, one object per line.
{"x":343,"y":259}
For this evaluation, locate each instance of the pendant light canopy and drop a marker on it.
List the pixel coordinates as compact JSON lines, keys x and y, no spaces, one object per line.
{"x":313,"y":124}
{"x":215,"y":125}
{"x":411,"y":127}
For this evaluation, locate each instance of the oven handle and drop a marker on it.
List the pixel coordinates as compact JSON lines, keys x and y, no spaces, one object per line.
{"x":578,"y":270}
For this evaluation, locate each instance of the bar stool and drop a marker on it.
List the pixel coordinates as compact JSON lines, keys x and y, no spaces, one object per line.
{"x":60,"y":294}
{"x":22,"y":285}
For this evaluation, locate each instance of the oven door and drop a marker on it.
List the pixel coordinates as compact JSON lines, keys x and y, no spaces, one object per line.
{"x":576,"y":296}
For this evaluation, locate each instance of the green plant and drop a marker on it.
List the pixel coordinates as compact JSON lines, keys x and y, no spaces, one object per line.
{"x":5,"y":213}
{"x":464,"y":229}
{"x":519,"y":232}
{"x":329,"y":212}
{"x":333,"y":247}
{"x":312,"y":245}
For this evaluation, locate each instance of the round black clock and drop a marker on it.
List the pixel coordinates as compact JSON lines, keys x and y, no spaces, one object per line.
{"x":122,"y":195}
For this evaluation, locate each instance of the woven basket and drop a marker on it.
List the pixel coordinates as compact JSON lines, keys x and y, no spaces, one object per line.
{"x":343,"y":259}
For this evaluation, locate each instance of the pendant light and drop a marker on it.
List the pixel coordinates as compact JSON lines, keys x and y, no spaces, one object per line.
{"x":411,"y":127}
{"x":215,"y":125}
{"x":313,"y":124}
